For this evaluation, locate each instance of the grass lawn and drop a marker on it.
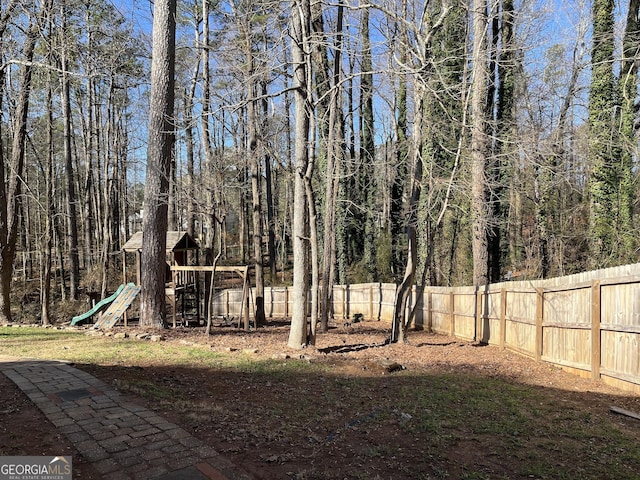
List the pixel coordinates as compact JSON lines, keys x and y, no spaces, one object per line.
{"x":329,"y":416}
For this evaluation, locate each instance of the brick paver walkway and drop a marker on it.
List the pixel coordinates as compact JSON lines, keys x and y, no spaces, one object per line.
{"x":122,"y":440}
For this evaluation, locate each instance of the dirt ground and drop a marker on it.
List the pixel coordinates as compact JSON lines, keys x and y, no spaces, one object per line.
{"x":258,"y":419}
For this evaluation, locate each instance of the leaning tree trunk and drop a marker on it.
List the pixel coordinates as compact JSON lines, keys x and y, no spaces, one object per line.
{"x":399,"y":181}
{"x":400,"y":324}
{"x":398,"y":328}
{"x":6,"y":258}
{"x":161,"y":138}
{"x":10,"y":199}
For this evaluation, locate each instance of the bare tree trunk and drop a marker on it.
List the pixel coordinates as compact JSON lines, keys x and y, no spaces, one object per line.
{"x":6,"y":254}
{"x":47,"y":238}
{"x":400,"y":178}
{"x":256,"y":190}
{"x":313,"y":236}
{"x":207,"y":136}
{"x":314,"y":262}
{"x":400,"y":324}
{"x":243,"y":234}
{"x":172,"y":214}
{"x":209,"y":241}
{"x":89,"y":222}
{"x":299,"y":24}
{"x":368,"y":185}
{"x":61,"y":270}
{"x":331,"y":191}
{"x":120,"y":207}
{"x":161,"y":139}
{"x":271,"y":222}
{"x":189,"y":141}
{"x":335,"y":145}
{"x":256,"y":185}
{"x":72,"y":225}
{"x":403,"y":291}
{"x":287,"y":209}
{"x":10,"y":199}
{"x":479,"y":144}
{"x":110,"y":165}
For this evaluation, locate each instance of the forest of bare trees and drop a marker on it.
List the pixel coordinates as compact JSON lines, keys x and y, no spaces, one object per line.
{"x":429,"y":142}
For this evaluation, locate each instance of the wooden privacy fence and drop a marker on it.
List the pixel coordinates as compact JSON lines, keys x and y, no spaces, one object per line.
{"x":374,"y":301}
{"x":587,"y":323}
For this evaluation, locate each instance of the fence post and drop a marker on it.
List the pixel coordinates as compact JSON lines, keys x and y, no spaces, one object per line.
{"x":539,"y":320}
{"x":246,"y":292}
{"x":344,"y":302}
{"x":596,"y":312}
{"x":286,"y":302}
{"x":370,"y":302}
{"x":503,"y":318}
{"x":429,"y":311}
{"x":452,"y":323}
{"x":138,"y":267}
{"x":478,"y":333}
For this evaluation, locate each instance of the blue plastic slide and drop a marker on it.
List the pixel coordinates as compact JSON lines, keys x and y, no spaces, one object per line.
{"x":97,"y":307}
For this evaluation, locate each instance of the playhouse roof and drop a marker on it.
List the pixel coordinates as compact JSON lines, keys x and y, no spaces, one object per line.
{"x":175,"y":241}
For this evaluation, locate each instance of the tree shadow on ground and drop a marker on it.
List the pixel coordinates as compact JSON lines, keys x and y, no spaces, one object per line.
{"x":351,"y":348}
{"x":337,"y":420}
